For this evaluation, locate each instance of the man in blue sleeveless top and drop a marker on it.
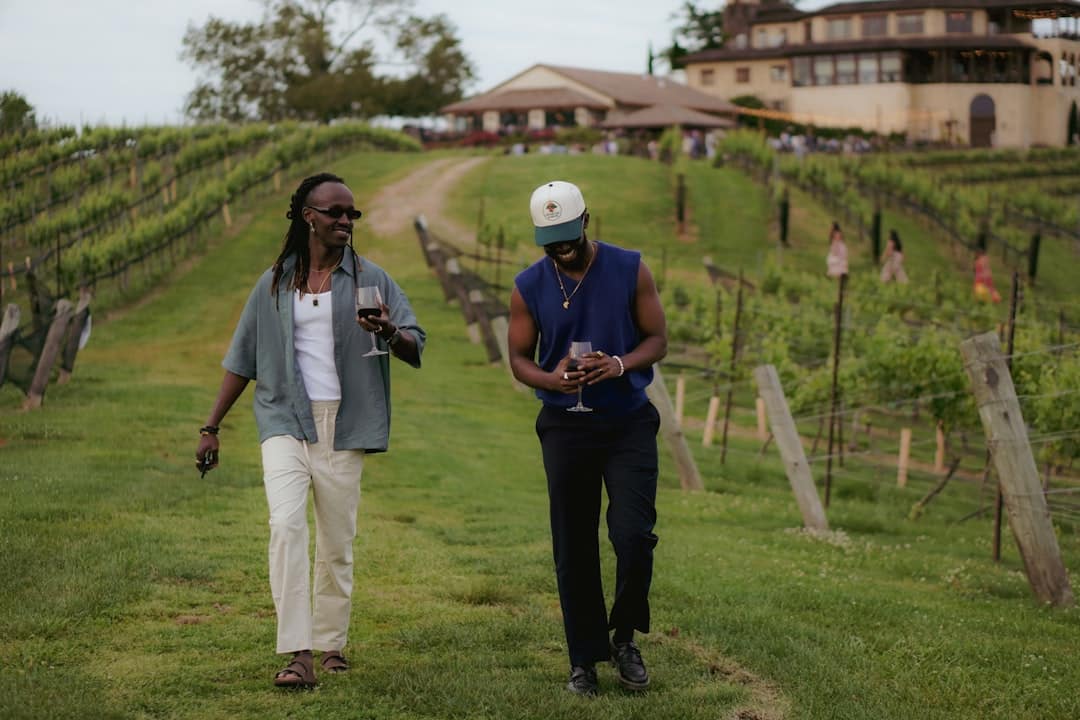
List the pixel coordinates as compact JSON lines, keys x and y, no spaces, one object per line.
{"x":596,"y":427}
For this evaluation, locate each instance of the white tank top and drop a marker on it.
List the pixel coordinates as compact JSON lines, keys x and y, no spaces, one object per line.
{"x":313,"y":337}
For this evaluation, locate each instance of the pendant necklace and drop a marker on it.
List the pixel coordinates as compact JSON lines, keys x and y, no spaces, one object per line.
{"x":315,"y":294}
{"x":558,"y":276}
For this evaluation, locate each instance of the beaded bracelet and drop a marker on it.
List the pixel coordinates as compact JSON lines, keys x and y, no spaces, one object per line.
{"x":622,"y":368}
{"x":209,"y":430}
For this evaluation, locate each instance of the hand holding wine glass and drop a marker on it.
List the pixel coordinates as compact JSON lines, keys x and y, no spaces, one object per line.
{"x":578,"y":350}
{"x":369,"y":305}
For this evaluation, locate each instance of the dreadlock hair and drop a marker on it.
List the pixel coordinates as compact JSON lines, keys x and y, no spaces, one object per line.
{"x":296,"y":237}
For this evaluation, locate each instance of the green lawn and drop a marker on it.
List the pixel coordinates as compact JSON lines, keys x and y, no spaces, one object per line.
{"x":132,"y":588}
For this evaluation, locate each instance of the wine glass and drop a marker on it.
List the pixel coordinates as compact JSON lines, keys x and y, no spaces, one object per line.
{"x":369,"y":305}
{"x":578,"y":350}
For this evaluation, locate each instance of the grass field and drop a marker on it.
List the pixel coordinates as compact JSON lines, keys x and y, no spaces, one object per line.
{"x":130,"y":587}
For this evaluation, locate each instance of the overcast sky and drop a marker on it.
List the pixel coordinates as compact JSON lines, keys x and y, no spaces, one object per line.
{"x":117,"y":61}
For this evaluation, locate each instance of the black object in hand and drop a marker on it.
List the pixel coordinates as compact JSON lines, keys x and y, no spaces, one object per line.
{"x":206,"y":464}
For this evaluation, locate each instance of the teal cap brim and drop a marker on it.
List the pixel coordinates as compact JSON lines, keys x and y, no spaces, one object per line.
{"x":563,"y":232}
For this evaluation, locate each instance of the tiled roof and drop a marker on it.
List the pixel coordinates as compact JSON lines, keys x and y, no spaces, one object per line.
{"x":526,"y":99}
{"x":657,"y":116}
{"x":643,"y":90}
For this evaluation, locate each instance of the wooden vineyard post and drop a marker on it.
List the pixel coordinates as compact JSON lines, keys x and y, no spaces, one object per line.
{"x":689,"y":478}
{"x":837,"y":330}
{"x":1018,"y":476}
{"x":939,"y":453}
{"x":680,"y":397}
{"x":8,"y":328}
{"x":710,"y":421}
{"x":226,"y":214}
{"x":49,"y":352}
{"x":78,"y":324}
{"x":905,"y":457}
{"x":791,"y":449}
{"x":500,"y":326}
{"x":731,"y":370}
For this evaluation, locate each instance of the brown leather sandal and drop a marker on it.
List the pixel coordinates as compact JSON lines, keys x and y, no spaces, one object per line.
{"x":300,"y":673}
{"x":333,"y":661}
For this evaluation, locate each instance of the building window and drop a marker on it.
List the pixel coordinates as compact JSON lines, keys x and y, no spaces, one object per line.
{"x":845,"y":69}
{"x":890,"y":67}
{"x":708,"y":77}
{"x":958,"y":22}
{"x":823,"y":70}
{"x":800,"y":72}
{"x":838,"y":29}
{"x":742,"y":74}
{"x":762,"y":39}
{"x":783,"y":37}
{"x":868,"y":68}
{"x":778,"y":73}
{"x":875,"y":25}
{"x":909,"y":24}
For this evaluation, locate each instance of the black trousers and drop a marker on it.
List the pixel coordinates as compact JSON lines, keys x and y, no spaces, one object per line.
{"x":582,"y":452}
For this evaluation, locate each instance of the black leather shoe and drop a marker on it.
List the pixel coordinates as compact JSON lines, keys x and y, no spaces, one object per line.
{"x":627,"y":659}
{"x":583,"y":680}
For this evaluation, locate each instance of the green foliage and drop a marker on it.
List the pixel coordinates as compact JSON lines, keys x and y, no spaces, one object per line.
{"x":16,"y":114}
{"x":305,"y":61}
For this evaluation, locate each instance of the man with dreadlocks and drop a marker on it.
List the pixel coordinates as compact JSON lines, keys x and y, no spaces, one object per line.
{"x":322,"y":401}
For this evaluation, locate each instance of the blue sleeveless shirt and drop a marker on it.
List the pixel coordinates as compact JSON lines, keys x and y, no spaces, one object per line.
{"x":601,"y":312}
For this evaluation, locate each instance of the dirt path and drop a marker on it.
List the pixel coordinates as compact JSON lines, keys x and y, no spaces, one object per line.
{"x":422,"y":191}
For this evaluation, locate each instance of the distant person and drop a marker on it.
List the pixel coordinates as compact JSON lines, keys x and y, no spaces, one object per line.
{"x":597,"y":428}
{"x":836,"y":262}
{"x":322,"y":401}
{"x":984,"y":281}
{"x":892,"y":265}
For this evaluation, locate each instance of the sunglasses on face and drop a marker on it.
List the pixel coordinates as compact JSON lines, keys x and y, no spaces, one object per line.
{"x":336,"y":212}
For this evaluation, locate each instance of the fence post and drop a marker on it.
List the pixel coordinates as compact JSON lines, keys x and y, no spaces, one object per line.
{"x":731,"y":369}
{"x":835,"y":376}
{"x":689,"y":478}
{"x":999,"y":500}
{"x":78,"y":323}
{"x":710,"y":421}
{"x":1018,"y":477}
{"x":49,"y":351}
{"x":905,"y":456}
{"x":790,"y":446}
{"x":8,"y":327}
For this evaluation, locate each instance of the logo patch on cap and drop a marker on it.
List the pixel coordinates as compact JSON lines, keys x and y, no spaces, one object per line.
{"x":552,"y":210}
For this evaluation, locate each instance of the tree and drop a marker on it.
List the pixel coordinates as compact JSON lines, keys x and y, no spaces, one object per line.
{"x":698,"y":29}
{"x":441,"y":69}
{"x":295,"y":64}
{"x":16,"y":114}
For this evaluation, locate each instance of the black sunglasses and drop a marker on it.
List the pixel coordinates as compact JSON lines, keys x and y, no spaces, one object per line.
{"x":336,"y":212}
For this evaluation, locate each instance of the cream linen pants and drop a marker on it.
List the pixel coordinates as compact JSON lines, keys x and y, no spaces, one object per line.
{"x":290,"y":468}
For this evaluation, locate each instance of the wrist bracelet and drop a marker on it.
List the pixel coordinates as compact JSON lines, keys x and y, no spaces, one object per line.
{"x":622,"y":368}
{"x":209,"y":430}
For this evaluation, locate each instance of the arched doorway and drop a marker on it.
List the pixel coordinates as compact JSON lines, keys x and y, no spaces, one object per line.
{"x":983,"y":121}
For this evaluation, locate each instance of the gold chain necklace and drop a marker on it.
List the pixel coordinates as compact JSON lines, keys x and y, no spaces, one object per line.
{"x":315,"y":294}
{"x":558,"y":276}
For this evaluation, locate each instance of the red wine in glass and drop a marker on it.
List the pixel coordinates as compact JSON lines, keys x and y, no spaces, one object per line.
{"x":369,"y":305}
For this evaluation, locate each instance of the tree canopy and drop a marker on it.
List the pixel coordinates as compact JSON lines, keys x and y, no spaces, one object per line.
{"x":697,"y":29}
{"x":16,"y":113}
{"x":319,"y":60}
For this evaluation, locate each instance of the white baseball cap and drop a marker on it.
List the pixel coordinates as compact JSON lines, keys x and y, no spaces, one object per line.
{"x":558,"y":212}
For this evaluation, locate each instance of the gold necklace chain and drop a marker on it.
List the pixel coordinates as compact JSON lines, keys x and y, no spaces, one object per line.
{"x":558,"y":276}
{"x":315,"y":293}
